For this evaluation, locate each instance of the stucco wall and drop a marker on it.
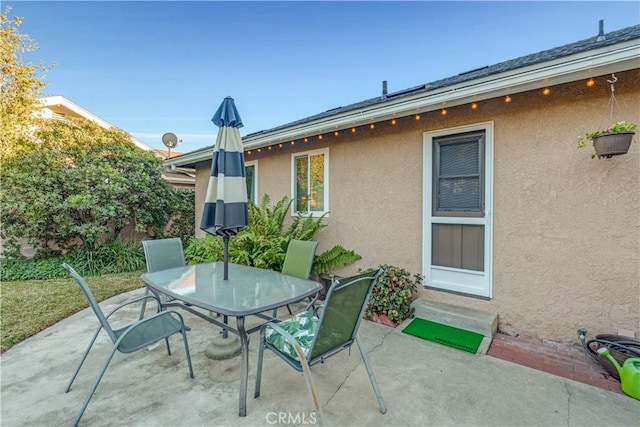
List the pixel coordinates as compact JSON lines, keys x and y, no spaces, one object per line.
{"x":566,"y":227}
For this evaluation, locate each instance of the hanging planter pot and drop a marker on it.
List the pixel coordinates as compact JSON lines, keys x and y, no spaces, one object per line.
{"x":612,"y":144}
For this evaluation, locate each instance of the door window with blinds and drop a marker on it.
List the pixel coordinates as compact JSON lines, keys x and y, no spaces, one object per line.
{"x":458,"y":191}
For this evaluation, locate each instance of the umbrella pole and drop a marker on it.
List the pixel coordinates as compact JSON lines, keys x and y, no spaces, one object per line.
{"x":226,"y":257}
{"x":225,"y":239}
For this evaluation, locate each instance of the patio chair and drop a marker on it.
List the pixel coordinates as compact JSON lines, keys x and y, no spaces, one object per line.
{"x":161,"y":254}
{"x":298,"y":261}
{"x":306,"y":339}
{"x":130,"y":338}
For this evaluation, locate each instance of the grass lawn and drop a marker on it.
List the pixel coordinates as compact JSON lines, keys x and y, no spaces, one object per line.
{"x":28,"y":307}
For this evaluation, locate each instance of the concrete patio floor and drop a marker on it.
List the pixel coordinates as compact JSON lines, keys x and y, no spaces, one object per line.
{"x":423,"y":384}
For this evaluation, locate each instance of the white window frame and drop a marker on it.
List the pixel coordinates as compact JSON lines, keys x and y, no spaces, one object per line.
{"x":294,"y":207}
{"x":254,"y":163}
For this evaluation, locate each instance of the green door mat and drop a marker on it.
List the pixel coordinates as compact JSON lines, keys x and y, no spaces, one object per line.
{"x":445,"y":335}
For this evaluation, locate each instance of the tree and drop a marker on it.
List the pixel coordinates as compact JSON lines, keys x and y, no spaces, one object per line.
{"x":78,"y":184}
{"x":20,"y":85}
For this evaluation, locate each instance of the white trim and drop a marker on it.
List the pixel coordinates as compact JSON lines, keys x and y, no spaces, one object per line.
{"x":254,"y":163}
{"x":325,"y":152}
{"x":458,"y":280}
{"x":605,"y":60}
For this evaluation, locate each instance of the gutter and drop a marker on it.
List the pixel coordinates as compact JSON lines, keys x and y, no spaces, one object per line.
{"x":608,"y":59}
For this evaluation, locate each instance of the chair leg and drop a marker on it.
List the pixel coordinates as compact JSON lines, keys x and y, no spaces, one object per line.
{"x":95,"y":386}
{"x":186,"y":350}
{"x":259,"y":368}
{"x":144,"y":303}
{"x":306,"y":373}
{"x":372,"y":378}
{"x":275,"y":312}
{"x":84,"y":357}
{"x":166,"y":340}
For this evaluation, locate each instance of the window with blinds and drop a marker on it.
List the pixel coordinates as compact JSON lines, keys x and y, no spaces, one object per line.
{"x":458,"y":175}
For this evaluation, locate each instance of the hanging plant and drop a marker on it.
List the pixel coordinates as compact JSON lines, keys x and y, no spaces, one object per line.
{"x":613,"y":140}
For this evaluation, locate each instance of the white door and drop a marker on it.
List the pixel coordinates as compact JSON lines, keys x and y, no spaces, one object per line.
{"x":458,"y":199}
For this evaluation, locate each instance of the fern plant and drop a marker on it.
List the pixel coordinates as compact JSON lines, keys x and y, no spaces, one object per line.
{"x":263,"y":243}
{"x":334,"y":258}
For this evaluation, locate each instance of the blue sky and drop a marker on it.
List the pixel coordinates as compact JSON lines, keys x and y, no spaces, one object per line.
{"x":155,"y":67}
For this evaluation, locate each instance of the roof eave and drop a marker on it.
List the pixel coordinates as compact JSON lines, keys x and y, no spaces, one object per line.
{"x":583,"y":65}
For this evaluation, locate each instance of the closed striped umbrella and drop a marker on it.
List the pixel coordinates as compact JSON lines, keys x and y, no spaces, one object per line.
{"x":225,"y":208}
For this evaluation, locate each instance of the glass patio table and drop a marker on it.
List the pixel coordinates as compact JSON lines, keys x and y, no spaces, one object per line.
{"x":249,"y":291}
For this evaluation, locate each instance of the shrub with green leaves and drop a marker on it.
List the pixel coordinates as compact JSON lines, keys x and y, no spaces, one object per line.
{"x":393,"y":294}
{"x":77,"y":184}
{"x":264,"y":242}
{"x":114,"y":256}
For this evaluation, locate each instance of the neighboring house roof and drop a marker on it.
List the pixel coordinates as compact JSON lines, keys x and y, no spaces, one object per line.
{"x":616,"y":51}
{"x":59,"y":107}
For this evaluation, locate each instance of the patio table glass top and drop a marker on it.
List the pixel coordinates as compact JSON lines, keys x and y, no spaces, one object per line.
{"x":248,"y":290}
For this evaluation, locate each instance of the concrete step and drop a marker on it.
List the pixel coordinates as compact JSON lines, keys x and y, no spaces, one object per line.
{"x":469,"y":319}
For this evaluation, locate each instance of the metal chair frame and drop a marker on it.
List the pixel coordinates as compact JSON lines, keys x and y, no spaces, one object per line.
{"x":298,"y":261}
{"x":318,"y":351}
{"x":130,"y":338}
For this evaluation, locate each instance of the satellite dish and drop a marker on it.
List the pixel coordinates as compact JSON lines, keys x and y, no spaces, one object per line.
{"x":170,"y":140}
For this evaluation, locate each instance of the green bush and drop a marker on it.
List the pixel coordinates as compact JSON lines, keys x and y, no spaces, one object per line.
{"x":204,"y":249}
{"x":78,"y":183}
{"x":393,"y":294}
{"x":183,"y":214}
{"x":114,"y":256}
{"x":264,"y":242}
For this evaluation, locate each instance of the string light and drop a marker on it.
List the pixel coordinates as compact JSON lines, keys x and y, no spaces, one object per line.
{"x":591,"y":83}
{"x":474,"y":106}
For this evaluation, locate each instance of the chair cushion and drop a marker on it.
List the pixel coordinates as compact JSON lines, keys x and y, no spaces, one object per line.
{"x":302,"y":328}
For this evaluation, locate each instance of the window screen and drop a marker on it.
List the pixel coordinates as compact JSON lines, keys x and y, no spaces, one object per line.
{"x":458,"y":175}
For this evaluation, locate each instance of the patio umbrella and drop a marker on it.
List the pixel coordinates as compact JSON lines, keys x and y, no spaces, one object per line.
{"x":225,"y":208}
